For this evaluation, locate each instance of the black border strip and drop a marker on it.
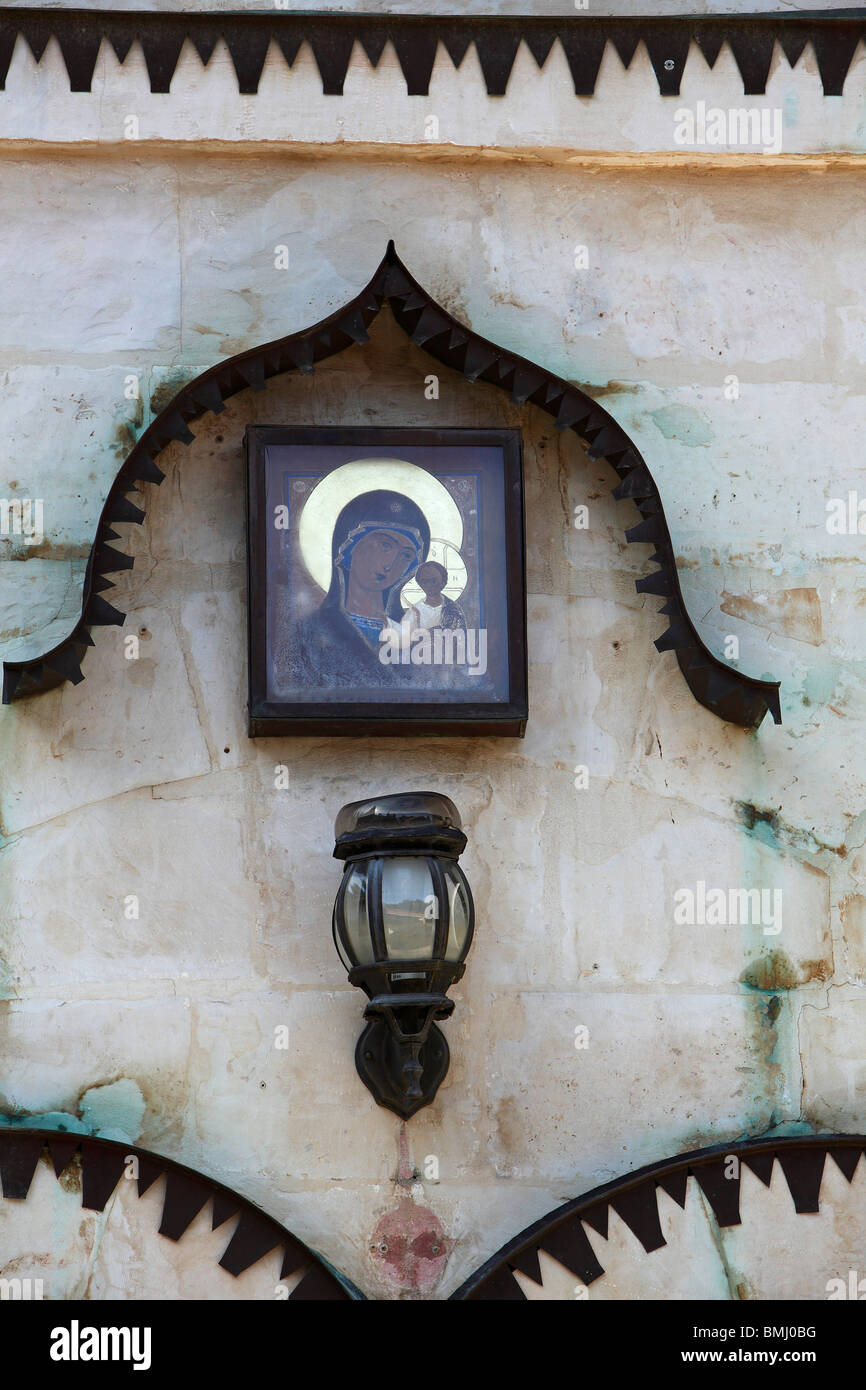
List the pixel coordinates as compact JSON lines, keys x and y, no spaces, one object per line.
{"x":833,"y":36}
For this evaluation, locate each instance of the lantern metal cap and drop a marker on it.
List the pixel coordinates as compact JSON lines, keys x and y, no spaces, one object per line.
{"x":399,"y":821}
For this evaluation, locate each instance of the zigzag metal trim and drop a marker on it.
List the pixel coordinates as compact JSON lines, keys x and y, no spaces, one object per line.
{"x":832,"y":34}
{"x":728,"y":693}
{"x":561,"y":1233}
{"x":103,"y":1162}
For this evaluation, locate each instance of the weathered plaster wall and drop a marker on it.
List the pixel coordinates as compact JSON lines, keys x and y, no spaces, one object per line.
{"x":141,"y":781}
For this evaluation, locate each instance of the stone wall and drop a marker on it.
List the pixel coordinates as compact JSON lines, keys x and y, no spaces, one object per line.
{"x":720,"y":318}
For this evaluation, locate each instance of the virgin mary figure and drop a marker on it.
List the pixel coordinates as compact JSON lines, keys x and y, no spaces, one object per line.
{"x":380,"y":538}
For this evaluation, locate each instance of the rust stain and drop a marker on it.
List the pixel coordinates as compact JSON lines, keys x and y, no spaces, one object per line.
{"x":70,"y":1178}
{"x":510,"y":1125}
{"x":852,"y":910}
{"x":123,"y":439}
{"x":614,"y":388}
{"x":795,"y":612}
{"x":47,"y":550}
{"x":165,"y":391}
{"x":766,"y":824}
{"x":776,"y":971}
{"x":455,"y":303}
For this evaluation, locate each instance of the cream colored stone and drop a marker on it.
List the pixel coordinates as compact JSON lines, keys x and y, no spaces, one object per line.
{"x":834,"y":1071}
{"x":129,"y":887}
{"x":294,"y":1098}
{"x":108,"y":734}
{"x":59,"y":260}
{"x":63,"y":1047}
{"x":634,"y":925}
{"x":33,"y":593}
{"x":686,"y":1069}
{"x":142,"y":781}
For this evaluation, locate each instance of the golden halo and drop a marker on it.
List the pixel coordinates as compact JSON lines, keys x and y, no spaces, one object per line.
{"x":344,"y":484}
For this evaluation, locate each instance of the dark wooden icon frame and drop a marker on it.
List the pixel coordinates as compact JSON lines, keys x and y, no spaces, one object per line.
{"x":444,"y":717}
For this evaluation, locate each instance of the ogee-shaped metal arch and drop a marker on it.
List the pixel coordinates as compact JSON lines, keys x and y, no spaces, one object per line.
{"x":735,"y":697}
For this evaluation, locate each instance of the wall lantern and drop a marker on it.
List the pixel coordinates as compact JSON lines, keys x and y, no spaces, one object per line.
{"x":403,"y":925}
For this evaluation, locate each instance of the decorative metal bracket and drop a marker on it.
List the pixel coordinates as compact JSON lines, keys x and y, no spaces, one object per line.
{"x":561,"y":1233}
{"x":832,"y":34}
{"x":104,"y":1162}
{"x":422,"y":1059}
{"x":728,"y":693}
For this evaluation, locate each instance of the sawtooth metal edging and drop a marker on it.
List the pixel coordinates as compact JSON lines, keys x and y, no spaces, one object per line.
{"x":833,"y":36}
{"x":103,"y":1163}
{"x":735,"y":697}
{"x":561,"y":1233}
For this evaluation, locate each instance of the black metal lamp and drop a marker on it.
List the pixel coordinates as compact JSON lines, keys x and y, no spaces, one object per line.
{"x":403,"y":925}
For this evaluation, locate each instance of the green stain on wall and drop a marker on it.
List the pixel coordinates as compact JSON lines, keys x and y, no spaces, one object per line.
{"x":165,"y":390}
{"x":819,"y":685}
{"x":112,"y":1111}
{"x":761,"y":822}
{"x":7,"y":989}
{"x":683,"y":423}
{"x":60,"y":1120}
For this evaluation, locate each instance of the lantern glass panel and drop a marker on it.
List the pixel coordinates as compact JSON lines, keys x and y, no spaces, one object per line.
{"x":458,"y":903}
{"x":338,"y":941}
{"x":409,"y":909}
{"x":357,"y":926}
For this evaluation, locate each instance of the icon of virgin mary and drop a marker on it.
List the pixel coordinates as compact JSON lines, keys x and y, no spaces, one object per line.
{"x":379,"y":540}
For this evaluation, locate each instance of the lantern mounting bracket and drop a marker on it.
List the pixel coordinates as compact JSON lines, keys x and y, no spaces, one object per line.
{"x":402,"y":1076}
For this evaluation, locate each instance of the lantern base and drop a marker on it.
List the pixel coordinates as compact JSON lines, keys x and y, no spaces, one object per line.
{"x":383,"y":1063}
